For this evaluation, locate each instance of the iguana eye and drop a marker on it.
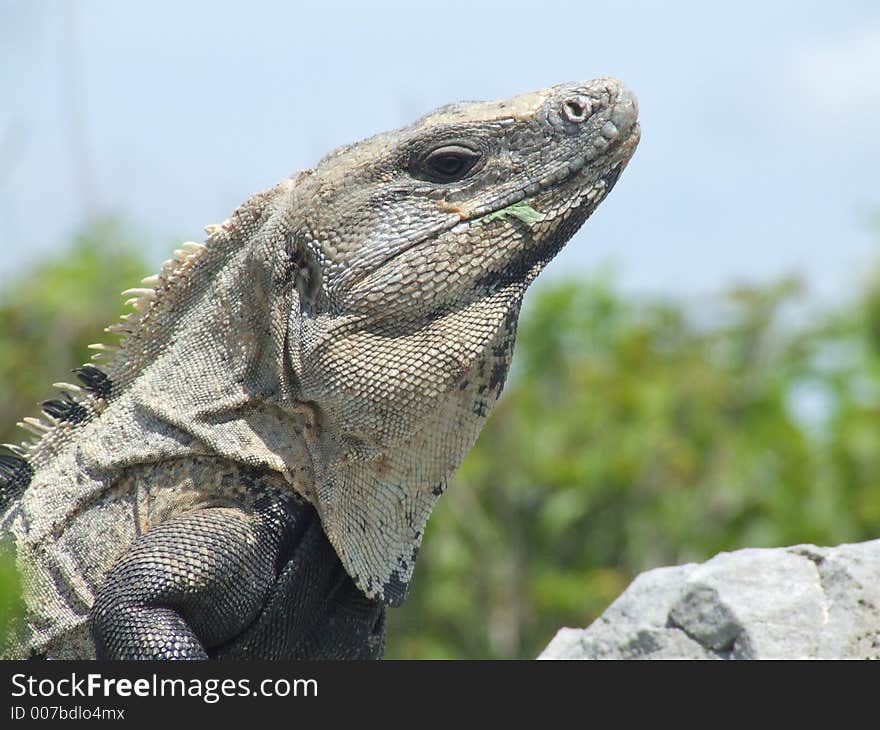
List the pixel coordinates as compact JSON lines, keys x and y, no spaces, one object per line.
{"x":446,"y":164}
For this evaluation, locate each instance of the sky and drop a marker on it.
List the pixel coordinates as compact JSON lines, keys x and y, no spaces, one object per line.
{"x":759,"y":153}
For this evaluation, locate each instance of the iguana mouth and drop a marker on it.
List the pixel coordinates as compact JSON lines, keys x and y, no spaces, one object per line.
{"x":568,"y":171}
{"x":621,"y":148}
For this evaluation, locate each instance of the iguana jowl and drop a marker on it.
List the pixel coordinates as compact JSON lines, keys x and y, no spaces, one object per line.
{"x":250,"y":474}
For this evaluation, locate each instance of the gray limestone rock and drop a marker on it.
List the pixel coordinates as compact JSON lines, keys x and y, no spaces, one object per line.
{"x":800,"y":602}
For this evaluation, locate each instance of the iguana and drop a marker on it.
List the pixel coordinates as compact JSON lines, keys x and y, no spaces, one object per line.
{"x":249,"y":473}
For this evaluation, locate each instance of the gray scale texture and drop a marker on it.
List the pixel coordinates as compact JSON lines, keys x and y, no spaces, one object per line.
{"x":801,"y":602}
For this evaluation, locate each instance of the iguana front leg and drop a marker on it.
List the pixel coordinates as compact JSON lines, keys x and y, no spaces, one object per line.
{"x":226,"y":582}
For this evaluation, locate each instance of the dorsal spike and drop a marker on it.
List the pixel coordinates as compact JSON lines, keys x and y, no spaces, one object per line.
{"x":65,"y":409}
{"x":118,"y":329}
{"x":101,"y":347}
{"x":34,"y":425}
{"x":139,"y":292}
{"x":94,"y":379}
{"x":15,"y":474}
{"x":139,"y":304}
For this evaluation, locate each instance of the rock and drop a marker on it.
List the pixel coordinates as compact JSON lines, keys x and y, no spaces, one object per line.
{"x":801,"y":602}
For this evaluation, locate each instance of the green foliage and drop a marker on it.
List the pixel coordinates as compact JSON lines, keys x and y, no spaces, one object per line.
{"x":638,"y":434}
{"x":10,"y":591}
{"x":632,"y":434}
{"x":50,"y":315}
{"x":525,"y":212}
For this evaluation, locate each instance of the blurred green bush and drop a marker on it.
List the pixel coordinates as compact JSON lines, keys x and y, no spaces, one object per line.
{"x":51,"y":313}
{"x":635,"y":434}
{"x":632,"y":434}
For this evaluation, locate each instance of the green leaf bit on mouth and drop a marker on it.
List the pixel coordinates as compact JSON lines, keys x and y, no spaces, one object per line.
{"x":526,"y":213}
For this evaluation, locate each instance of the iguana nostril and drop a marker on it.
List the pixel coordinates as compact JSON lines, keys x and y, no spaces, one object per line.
{"x":576,"y":110}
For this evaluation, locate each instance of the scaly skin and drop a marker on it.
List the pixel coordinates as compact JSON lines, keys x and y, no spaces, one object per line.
{"x":251,"y":473}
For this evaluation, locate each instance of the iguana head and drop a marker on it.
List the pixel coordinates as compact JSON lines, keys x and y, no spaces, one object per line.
{"x":416,"y":248}
{"x":468,"y":199}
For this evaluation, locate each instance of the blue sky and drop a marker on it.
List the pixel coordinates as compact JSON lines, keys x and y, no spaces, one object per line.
{"x":759,"y":154}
